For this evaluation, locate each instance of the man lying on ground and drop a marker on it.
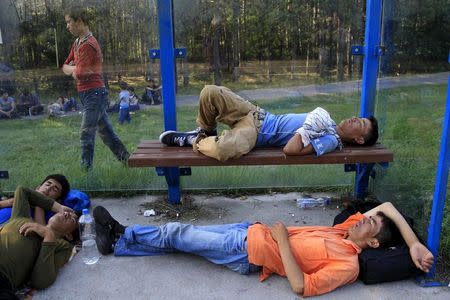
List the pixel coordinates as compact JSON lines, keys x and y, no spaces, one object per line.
{"x":251,"y":127}
{"x":30,"y":250}
{"x":54,"y":186}
{"x":315,"y":259}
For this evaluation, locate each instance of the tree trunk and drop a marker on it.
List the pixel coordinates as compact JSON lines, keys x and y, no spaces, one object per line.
{"x":185,"y":72}
{"x":216,"y":28}
{"x":236,"y":44}
{"x":340,"y":53}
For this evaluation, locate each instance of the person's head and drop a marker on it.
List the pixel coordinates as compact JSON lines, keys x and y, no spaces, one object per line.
{"x":64,"y":224}
{"x":77,"y":20}
{"x":123,"y":85}
{"x":360,"y":131}
{"x":55,"y":186}
{"x":375,"y":231}
{"x":4,"y":94}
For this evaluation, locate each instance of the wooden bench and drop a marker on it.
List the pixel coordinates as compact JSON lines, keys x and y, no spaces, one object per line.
{"x":151,"y":153}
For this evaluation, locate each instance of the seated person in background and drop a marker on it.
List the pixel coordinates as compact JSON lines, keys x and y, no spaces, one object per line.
{"x":32,"y":251}
{"x":134,"y":99}
{"x":124,"y":104}
{"x":152,"y":93}
{"x":315,"y":259}
{"x":7,"y":106}
{"x":70,"y":104}
{"x":251,"y":126}
{"x":29,"y":104}
{"x":56,"y":108}
{"x":54,"y":186}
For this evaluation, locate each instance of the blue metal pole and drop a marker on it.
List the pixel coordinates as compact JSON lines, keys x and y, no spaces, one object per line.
{"x":370,"y":63}
{"x":369,"y":82}
{"x":166,"y":44}
{"x":440,"y":189}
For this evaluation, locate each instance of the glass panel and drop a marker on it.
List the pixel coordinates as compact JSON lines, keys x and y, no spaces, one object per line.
{"x":288,"y":56}
{"x":412,"y":89}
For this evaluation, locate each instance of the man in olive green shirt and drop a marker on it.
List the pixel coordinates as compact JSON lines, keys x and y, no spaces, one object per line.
{"x":32,"y":251}
{"x":54,"y":186}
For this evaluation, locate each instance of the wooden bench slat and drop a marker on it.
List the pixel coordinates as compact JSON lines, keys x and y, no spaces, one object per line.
{"x":151,"y":153}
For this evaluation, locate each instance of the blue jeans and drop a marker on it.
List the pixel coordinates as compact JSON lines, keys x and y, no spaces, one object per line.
{"x":95,"y":118}
{"x":124,"y":114}
{"x":69,"y":105}
{"x":220,"y":244}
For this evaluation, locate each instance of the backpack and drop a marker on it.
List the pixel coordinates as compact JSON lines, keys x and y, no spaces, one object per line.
{"x":381,"y":264}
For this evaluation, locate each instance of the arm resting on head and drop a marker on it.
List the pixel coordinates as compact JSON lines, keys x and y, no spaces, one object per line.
{"x":421,"y":256}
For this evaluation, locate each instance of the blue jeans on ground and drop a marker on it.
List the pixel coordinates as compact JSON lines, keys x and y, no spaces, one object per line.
{"x":124,"y":114}
{"x":95,"y":118}
{"x":220,"y":244}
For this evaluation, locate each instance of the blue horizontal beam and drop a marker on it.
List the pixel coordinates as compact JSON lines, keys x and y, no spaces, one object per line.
{"x":177,"y":52}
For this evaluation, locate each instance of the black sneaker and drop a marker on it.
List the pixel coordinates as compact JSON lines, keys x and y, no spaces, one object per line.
{"x":107,"y":230}
{"x":175,"y":138}
{"x":200,"y":130}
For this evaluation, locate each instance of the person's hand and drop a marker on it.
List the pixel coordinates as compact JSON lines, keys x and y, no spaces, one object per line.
{"x":279,"y":232}
{"x":57,"y":208}
{"x":421,"y":256}
{"x":31,"y":227}
{"x":66,"y":209}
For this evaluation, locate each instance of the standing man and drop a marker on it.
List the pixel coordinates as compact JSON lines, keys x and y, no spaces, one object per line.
{"x":84,"y":64}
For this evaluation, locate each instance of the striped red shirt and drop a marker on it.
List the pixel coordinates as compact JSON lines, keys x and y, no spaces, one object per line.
{"x":86,"y":56}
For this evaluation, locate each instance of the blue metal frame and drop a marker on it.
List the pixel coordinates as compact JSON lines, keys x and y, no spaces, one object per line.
{"x":440,"y":189}
{"x":166,"y":53}
{"x":371,"y":51}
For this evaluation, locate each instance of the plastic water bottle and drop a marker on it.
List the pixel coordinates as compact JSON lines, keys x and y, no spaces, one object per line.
{"x":308,"y":202}
{"x":89,"y":251}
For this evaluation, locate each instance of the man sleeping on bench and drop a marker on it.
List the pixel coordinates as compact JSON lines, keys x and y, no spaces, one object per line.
{"x":251,"y":126}
{"x":315,"y":259}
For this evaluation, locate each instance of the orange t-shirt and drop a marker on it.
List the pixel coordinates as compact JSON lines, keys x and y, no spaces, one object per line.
{"x":326,"y":258}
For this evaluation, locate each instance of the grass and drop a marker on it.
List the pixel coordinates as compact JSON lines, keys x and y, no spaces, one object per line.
{"x":410,"y":119}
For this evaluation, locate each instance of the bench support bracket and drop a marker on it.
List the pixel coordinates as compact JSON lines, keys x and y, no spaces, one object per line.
{"x":363,"y":173}
{"x":173,"y":181}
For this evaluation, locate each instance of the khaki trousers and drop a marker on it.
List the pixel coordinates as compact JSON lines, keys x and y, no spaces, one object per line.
{"x":220,"y":104}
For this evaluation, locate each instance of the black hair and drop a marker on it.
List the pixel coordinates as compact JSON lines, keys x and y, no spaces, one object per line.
{"x":372,"y":137}
{"x":389,"y":234}
{"x":78,"y":13}
{"x":65,"y":185}
{"x":123,"y":85}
